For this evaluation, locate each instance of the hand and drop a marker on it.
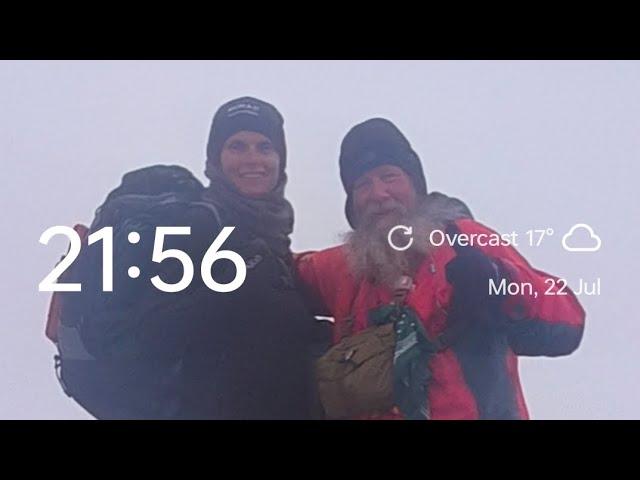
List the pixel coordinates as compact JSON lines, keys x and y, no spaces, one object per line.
{"x":469,"y":272}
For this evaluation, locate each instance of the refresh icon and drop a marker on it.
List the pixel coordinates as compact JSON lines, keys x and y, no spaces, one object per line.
{"x":407,"y":231}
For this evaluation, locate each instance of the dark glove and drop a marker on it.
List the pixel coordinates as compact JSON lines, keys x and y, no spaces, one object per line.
{"x":469,"y":273}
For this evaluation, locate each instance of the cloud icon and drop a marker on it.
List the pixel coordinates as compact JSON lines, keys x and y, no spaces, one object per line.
{"x":593,"y":239}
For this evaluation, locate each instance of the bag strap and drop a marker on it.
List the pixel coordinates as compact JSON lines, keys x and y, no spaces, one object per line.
{"x":401,"y":290}
{"x":453,"y":331}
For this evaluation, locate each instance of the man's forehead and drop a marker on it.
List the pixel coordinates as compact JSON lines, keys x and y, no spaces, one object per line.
{"x":249,"y":136}
{"x":382,"y":170}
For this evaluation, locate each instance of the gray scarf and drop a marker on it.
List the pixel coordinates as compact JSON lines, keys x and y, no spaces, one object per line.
{"x":269,"y":217}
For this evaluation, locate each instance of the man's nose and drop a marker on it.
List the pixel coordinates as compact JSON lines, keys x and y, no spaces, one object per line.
{"x":379,"y":191}
{"x":252,"y":156}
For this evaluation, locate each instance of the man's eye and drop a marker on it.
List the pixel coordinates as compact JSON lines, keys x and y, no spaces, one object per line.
{"x":236,"y":146}
{"x":266,"y":148}
{"x":389,"y":177}
{"x":359,"y":185}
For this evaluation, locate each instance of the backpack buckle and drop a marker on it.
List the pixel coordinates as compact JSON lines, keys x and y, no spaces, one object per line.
{"x":57,"y":366}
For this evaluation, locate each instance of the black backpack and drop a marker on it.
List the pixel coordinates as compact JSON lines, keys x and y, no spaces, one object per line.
{"x":100,"y":362}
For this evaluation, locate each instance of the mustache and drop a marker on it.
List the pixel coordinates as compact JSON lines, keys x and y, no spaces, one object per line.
{"x":372,"y":211}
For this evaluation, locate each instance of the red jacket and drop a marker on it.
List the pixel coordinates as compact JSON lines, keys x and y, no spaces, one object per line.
{"x":466,"y":384}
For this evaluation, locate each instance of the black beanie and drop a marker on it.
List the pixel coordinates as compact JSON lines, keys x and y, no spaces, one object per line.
{"x":250,"y":114}
{"x":370,"y":144}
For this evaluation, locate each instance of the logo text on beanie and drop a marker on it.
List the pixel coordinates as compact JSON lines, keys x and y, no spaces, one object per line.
{"x":243,"y":108}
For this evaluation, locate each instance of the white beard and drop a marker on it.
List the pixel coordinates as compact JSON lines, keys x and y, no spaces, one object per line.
{"x":369,"y":254}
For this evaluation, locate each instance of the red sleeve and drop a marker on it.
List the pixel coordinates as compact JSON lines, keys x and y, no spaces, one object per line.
{"x":313,"y":289}
{"x":541,"y":322}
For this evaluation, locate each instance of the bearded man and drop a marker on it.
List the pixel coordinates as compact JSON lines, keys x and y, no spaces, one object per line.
{"x":475,"y":338}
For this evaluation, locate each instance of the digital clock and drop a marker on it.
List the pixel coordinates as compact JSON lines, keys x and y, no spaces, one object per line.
{"x":213,"y":254}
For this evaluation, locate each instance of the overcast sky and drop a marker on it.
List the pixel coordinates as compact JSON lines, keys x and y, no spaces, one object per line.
{"x":526,"y":144}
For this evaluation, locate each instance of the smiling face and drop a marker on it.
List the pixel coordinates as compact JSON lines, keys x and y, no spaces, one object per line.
{"x":251,"y":163}
{"x":383,"y":195}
